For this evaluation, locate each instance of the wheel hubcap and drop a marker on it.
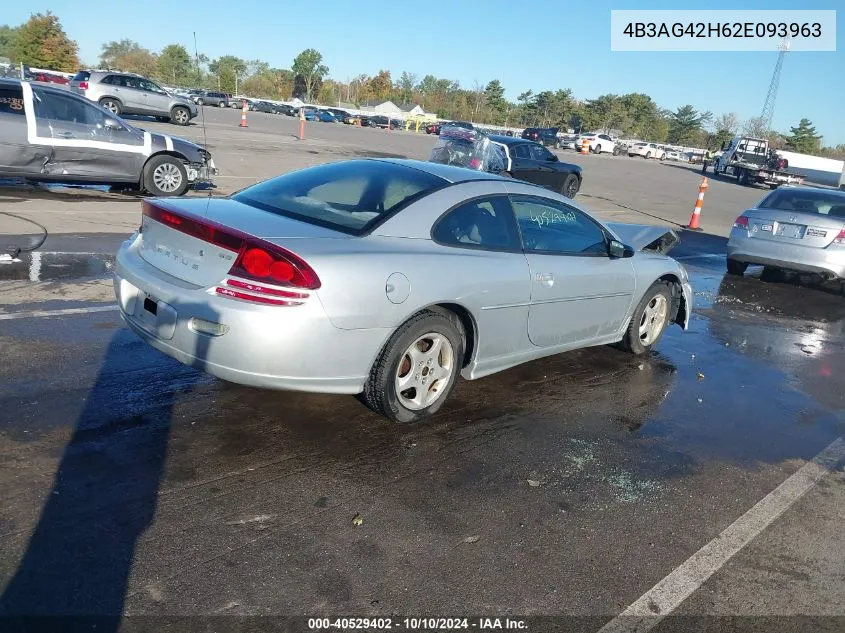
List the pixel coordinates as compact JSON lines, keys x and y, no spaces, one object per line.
{"x":653,"y":319}
{"x":111,"y":106}
{"x":167,"y":177}
{"x":424,"y":371}
{"x":181,"y":116}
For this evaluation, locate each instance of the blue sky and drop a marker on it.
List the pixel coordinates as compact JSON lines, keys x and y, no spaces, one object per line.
{"x":531,"y":44}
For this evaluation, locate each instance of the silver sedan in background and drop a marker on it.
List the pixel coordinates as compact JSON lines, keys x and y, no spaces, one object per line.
{"x":799,"y":229}
{"x":390,"y":278}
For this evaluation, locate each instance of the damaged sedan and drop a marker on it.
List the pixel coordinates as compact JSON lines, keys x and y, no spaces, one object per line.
{"x":52,"y":135}
{"x":391,"y":279}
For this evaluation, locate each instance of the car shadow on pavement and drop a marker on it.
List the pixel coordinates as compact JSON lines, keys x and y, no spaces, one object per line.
{"x":75,"y":571}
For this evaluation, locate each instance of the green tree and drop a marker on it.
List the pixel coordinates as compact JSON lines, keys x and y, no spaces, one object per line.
{"x":405,"y":85}
{"x":803,"y":138}
{"x":685,"y":125}
{"x":494,"y":97}
{"x":116,"y":49}
{"x":41,"y":42}
{"x":310,"y":67}
{"x":8,"y":36}
{"x":175,"y":65}
{"x":229,"y":71}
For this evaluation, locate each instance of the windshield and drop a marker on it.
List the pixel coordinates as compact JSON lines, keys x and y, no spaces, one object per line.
{"x":350,"y":196}
{"x":805,"y":201}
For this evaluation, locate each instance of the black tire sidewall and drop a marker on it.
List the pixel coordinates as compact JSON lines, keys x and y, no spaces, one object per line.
{"x":149,"y":184}
{"x":632,"y":340}
{"x":565,"y":188}
{"x":395,"y":350}
{"x":103,"y":103}
{"x":173,"y":115}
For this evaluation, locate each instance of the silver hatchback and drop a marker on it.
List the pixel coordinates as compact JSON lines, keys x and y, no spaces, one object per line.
{"x":126,"y":93}
{"x":800,"y":229}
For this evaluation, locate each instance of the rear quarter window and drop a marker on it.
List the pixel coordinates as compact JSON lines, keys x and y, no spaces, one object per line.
{"x":11,"y":101}
{"x":82,"y":75}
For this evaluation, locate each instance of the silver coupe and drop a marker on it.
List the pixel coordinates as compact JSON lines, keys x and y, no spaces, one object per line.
{"x":389,"y":279}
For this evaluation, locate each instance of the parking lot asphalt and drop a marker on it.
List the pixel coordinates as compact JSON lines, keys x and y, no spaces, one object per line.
{"x":704,"y":480}
{"x":616,"y":188}
{"x":567,"y":486}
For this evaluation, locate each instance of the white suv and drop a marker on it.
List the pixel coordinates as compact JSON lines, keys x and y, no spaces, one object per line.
{"x":598,"y":142}
{"x":647,"y":150}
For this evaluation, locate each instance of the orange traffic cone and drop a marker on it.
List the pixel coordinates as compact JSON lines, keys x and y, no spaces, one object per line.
{"x":243,"y":115}
{"x":699,"y":202}
{"x":585,"y":146}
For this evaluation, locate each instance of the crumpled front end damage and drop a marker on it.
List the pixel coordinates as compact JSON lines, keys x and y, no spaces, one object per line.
{"x":645,"y":237}
{"x":200,"y":174}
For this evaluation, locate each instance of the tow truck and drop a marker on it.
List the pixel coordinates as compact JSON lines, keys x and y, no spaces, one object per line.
{"x":751,"y":161}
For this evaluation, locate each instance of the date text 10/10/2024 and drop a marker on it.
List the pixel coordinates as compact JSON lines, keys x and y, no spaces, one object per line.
{"x":416,"y":624}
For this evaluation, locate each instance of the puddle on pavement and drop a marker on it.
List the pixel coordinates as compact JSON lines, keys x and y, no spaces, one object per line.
{"x":49,"y":266}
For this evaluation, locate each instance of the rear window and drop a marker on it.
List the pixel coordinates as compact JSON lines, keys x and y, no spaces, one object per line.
{"x":349,"y":196}
{"x":806,"y":201}
{"x":82,"y":75}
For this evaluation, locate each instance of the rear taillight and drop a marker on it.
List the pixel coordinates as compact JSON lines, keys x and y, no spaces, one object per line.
{"x":83,"y":85}
{"x":741,"y":223}
{"x":840,"y":239}
{"x":258,"y":261}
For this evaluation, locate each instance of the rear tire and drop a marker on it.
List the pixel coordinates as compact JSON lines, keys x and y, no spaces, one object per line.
{"x":597,"y":149}
{"x":736,"y":267}
{"x":112,"y":105}
{"x":165,"y":175}
{"x":648,"y":155}
{"x":571,"y":185}
{"x":649,"y":320}
{"x":405,"y":356}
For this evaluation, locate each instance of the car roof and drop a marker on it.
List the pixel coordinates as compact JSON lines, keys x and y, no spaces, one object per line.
{"x":511,"y":140}
{"x":8,"y":82}
{"x":449,"y":173}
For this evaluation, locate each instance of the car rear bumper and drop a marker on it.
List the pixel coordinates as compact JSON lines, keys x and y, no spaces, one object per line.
{"x":276,"y":347}
{"x":825,"y":261}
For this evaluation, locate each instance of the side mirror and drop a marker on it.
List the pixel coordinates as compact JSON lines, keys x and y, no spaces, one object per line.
{"x":552,"y":158}
{"x":618,"y":250}
{"x":112,"y":124}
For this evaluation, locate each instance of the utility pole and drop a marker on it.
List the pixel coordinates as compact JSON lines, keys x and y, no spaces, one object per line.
{"x":771,"y":96}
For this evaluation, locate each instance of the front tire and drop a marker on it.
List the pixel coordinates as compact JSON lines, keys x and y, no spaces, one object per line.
{"x":571,"y":185}
{"x":112,"y":105}
{"x":736,"y":267}
{"x":649,"y":320}
{"x":418,"y":367}
{"x":165,"y":175}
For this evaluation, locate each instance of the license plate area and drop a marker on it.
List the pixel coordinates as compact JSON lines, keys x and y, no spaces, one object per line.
{"x":150,"y":306}
{"x":792,"y":231}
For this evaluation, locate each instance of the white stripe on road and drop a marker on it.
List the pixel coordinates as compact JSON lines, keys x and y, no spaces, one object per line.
{"x":48,"y":313}
{"x":669,"y":593}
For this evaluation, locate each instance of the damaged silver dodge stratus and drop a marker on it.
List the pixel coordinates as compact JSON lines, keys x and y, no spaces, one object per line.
{"x":51,"y":135}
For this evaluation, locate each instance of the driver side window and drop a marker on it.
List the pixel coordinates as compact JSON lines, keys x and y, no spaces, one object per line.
{"x":52,"y":106}
{"x":551,"y":227}
{"x":538,"y":152}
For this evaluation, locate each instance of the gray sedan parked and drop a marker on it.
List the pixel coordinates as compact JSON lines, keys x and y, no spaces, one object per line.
{"x":390,"y":278}
{"x":126,"y":93}
{"x":799,"y":229}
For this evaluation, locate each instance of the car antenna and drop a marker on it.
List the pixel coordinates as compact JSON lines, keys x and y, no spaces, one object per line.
{"x":201,"y":108}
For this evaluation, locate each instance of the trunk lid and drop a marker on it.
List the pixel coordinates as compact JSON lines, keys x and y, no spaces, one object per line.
{"x":793,"y":227}
{"x":197,"y":240}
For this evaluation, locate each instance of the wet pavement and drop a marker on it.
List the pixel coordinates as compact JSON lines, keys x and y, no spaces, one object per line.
{"x":566,"y":486}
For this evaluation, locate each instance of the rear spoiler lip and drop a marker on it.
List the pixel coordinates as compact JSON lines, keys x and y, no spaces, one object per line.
{"x":646,"y":237}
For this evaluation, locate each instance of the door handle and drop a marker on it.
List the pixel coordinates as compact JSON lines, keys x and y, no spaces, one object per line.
{"x":547,"y":279}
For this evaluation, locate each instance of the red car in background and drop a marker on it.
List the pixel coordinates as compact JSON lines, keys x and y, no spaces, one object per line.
{"x":50,"y":78}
